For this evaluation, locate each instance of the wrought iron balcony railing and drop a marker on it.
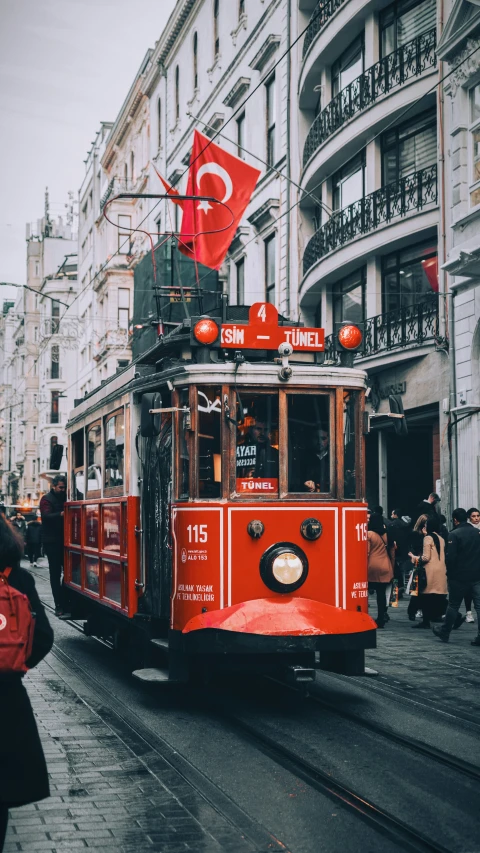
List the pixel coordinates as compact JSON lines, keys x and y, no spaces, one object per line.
{"x":412,"y":325}
{"x":413,"y":192}
{"x":117,"y":185}
{"x":321,"y":15}
{"x":409,"y":60}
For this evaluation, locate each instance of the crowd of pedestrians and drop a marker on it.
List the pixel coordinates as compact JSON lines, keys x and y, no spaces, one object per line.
{"x":438,"y":568}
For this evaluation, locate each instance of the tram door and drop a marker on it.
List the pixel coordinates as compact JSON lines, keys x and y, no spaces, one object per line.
{"x":156,"y":495}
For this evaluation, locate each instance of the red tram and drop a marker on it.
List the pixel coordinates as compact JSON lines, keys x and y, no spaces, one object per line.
{"x":215,"y":515}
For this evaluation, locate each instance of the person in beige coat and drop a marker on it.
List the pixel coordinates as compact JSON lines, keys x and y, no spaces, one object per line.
{"x":380,"y":565}
{"x":433,"y":598}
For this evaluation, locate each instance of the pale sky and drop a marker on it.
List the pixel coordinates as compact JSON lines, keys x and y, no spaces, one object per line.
{"x":65,"y":66}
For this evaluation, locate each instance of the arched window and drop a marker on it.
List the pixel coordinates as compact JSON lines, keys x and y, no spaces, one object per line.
{"x":241,"y":8}
{"x":195,"y":61}
{"x":132,"y":166}
{"x":53,"y":442}
{"x":125,"y":173}
{"x":177,"y":93}
{"x":159,"y":120}
{"x":216,"y":34}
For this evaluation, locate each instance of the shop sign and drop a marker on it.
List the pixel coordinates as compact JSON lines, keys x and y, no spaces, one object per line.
{"x":387,"y":391}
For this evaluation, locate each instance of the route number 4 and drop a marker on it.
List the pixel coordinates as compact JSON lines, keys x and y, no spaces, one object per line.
{"x":262,"y":313}
{"x":198,"y":532}
{"x":361,"y":531}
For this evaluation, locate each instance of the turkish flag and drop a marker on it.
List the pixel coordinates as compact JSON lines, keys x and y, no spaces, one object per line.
{"x":171,"y":191}
{"x":430,"y":268}
{"x":208,"y":228}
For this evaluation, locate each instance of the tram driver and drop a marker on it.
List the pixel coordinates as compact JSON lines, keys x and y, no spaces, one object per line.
{"x":317,"y":467}
{"x":256,"y":457}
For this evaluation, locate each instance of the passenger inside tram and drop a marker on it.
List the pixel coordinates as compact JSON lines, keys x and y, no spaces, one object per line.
{"x":257,"y":444}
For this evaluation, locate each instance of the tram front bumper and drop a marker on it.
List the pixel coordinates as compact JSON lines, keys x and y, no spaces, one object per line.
{"x":280,"y":624}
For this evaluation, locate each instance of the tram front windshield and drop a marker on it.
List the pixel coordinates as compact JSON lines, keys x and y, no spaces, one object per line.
{"x":258,"y":454}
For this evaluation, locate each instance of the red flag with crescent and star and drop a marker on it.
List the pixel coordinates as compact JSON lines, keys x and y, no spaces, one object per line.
{"x":207,"y":228}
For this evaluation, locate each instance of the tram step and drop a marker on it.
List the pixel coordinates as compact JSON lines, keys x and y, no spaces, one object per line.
{"x":160,"y":642}
{"x":152,"y":675}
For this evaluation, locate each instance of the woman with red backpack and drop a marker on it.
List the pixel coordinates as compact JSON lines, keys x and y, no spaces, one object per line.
{"x":25,"y":638}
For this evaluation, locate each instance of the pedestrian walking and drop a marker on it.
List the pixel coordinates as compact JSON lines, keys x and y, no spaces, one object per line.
{"x":51,"y":508}
{"x":380,"y":565}
{"x":473,"y":515}
{"x":18,"y":522}
{"x":400,"y":529}
{"x":431,"y":566}
{"x":416,"y":547}
{"x":34,"y":539}
{"x":23,"y":771}
{"x":429,"y":505}
{"x":463,"y":572}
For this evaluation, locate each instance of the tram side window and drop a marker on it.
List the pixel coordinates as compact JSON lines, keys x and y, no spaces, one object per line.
{"x":78,"y":466}
{"x":309,"y":458}
{"x":209,"y":442}
{"x":349,"y":443}
{"x":184,"y":455}
{"x":114,"y":450}
{"x":94,"y":458}
{"x":257,"y":444}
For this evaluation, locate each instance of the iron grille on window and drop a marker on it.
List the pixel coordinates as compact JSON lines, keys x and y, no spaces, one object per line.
{"x":321,"y":15}
{"x":413,"y":192}
{"x":409,"y":60}
{"x":411,"y":325}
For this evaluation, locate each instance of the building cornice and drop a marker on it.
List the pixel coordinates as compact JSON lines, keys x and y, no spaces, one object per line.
{"x":127,"y":112}
{"x":166,"y":42}
{"x":462,"y":23}
{"x":237,"y":92}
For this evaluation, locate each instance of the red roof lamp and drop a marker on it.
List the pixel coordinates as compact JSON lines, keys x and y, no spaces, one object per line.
{"x":350,"y":337}
{"x":205,"y":331}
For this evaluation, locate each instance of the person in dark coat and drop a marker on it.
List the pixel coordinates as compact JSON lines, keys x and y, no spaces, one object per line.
{"x":463,"y":572}
{"x":34,"y":539}
{"x":400,"y":530}
{"x":429,"y":505}
{"x":23,"y":771}
{"x":51,"y":508}
{"x":18,"y":522}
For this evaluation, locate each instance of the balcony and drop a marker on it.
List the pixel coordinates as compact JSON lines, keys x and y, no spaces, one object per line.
{"x":114,"y":338}
{"x":116,"y":186}
{"x":411,"y":193}
{"x":321,"y":15}
{"x":407,"y":62}
{"x":414,"y":325}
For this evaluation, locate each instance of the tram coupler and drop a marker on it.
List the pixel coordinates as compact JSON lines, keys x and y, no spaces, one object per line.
{"x":300,"y":674}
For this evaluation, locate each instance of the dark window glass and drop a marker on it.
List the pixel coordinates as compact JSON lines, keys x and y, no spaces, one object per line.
{"x":240,"y":266}
{"x":177,"y":93}
{"x":257,"y":444}
{"x":403,"y":21}
{"x":195,"y":61}
{"x":270,"y":113}
{"x":309,"y":458}
{"x":184,"y":455}
{"x":349,"y":443}
{"x":55,"y":317}
{"x":159,"y":122}
{"x":55,"y":362}
{"x":94,"y":458}
{"x":348,"y":66}
{"x":216,"y":32}
{"x":241,"y":8}
{"x":54,"y":408}
{"x":241,"y":136}
{"x":209,"y":442}
{"x":348,"y":184}
{"x":114,"y":450}
{"x":409,"y":148}
{"x":270,"y":273}
{"x":349,"y":298}
{"x":409,"y":277}
{"x":78,"y":486}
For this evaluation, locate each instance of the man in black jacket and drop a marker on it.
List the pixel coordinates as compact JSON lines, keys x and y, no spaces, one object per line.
{"x":51,"y":508}
{"x":463,"y":571}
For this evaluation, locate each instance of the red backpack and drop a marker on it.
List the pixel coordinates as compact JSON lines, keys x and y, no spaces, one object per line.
{"x":17,"y":625}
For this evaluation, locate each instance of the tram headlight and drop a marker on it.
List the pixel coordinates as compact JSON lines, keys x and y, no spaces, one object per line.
{"x":284,"y":567}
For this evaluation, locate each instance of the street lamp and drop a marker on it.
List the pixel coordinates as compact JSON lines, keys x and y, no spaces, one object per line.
{"x":38,"y":292}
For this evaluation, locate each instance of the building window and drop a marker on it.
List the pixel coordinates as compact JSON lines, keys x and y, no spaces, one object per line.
{"x":241,"y":8}
{"x":55,"y":317}
{"x":37,"y":269}
{"x":216,"y":33}
{"x":348,"y":184}
{"x":55,"y":408}
{"x":158,"y":223}
{"x":124,"y":233}
{"x":123,"y":308}
{"x":409,"y":277}
{"x":409,"y":148}
{"x":241,"y":136}
{"x":94,"y":458}
{"x":270,"y":277}
{"x":195,"y":62}
{"x":270,"y":113}
{"x":34,"y":468}
{"x":132,"y":166}
{"x":34,"y":433}
{"x":474,"y":180}
{"x":159,"y":122}
{"x":348,"y":66}
{"x":35,"y":334}
{"x":125,"y":175}
{"x":403,"y":21}
{"x":240,"y":268}
{"x":177,"y":94}
{"x":114,"y":450}
{"x":55,"y":362}
{"x":349,"y":298}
